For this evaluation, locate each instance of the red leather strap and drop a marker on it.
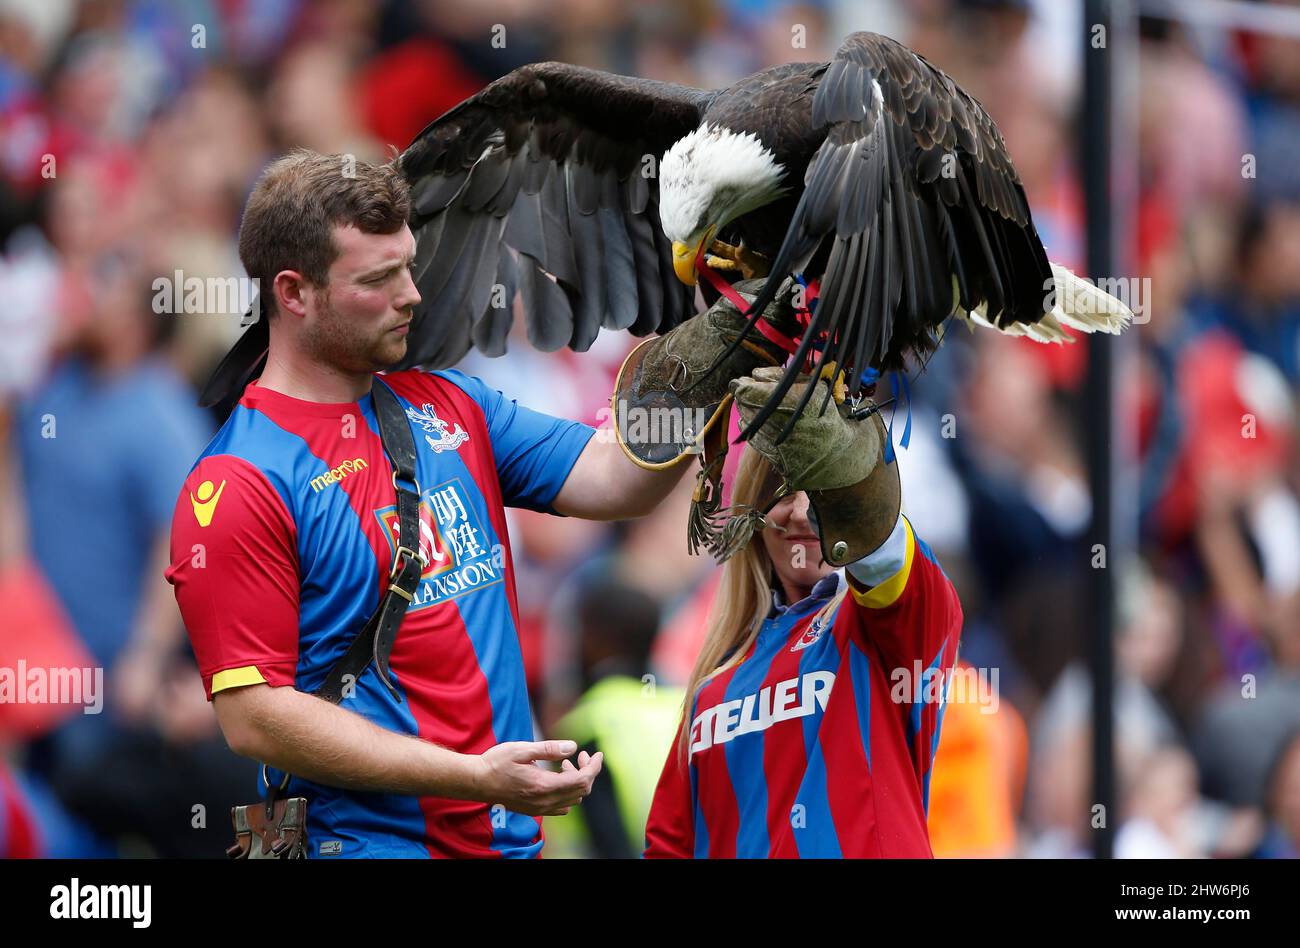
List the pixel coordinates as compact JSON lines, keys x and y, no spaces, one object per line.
{"x":727,"y":290}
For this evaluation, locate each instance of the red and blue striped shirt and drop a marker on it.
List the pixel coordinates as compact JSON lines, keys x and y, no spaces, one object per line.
{"x":282,"y":541}
{"x":821,"y":740}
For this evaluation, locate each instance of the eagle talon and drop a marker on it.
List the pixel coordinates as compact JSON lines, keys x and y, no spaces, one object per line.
{"x":866,"y":411}
{"x":732,"y":257}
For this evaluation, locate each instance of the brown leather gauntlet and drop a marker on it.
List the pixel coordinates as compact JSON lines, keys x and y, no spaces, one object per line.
{"x":657,"y":421}
{"x":835,"y":454}
{"x":854,"y":520}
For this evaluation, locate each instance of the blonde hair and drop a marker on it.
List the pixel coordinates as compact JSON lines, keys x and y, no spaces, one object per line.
{"x":744,"y":595}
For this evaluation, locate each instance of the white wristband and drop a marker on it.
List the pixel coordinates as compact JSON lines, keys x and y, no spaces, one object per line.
{"x":885,"y":560}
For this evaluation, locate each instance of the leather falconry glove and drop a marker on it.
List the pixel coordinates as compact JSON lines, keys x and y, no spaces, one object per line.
{"x":836,"y":455}
{"x":665,"y":401}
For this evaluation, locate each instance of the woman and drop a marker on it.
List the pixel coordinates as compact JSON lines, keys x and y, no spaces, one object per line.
{"x":815,"y":704}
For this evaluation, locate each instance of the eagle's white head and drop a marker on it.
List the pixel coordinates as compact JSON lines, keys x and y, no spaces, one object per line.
{"x":708,"y":179}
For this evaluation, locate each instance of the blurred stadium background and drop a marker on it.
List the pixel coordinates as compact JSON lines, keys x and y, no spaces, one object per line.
{"x":126,"y":151}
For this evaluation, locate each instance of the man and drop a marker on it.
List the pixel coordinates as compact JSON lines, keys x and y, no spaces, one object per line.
{"x":284,"y":534}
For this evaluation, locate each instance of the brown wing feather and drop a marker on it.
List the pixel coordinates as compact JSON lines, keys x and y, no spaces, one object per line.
{"x":541,"y":165}
{"x":910,"y":187}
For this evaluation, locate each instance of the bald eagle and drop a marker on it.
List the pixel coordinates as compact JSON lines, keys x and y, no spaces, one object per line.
{"x":595,"y":196}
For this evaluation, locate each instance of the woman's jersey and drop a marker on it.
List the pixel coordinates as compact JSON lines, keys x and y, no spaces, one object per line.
{"x":820,"y":742}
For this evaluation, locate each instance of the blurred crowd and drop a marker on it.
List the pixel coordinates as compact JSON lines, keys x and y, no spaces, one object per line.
{"x":131,"y":132}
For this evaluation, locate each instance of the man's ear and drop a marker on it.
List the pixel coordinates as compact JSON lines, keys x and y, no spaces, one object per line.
{"x":291,"y":290}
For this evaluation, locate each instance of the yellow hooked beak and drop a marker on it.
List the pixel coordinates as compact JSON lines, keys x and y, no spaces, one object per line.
{"x":684,"y":257}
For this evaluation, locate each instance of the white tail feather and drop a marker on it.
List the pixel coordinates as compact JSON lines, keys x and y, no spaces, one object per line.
{"x":1047,"y":330}
{"x":1084,"y":306}
{"x":1079,"y":305}
{"x":980,"y":317}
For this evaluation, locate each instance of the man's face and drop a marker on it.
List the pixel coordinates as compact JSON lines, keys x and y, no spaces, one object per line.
{"x":359,"y":321}
{"x":792,"y":543}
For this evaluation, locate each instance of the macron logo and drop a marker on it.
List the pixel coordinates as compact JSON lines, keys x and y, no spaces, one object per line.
{"x":336,"y":474}
{"x":792,"y":698}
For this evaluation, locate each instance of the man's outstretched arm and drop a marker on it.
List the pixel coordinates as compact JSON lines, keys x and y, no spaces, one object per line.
{"x":605,"y":484}
{"x":313,"y":739}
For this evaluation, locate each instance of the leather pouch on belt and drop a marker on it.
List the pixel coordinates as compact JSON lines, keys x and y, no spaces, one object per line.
{"x":282,"y":835}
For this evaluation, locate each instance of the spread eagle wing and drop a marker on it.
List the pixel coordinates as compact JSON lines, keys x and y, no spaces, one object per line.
{"x":539,"y":182}
{"x":914,"y":204}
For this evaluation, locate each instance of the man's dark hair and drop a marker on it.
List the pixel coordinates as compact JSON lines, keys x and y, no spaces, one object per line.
{"x":298,"y":200}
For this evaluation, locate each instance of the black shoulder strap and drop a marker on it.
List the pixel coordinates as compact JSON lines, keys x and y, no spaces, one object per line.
{"x":375,"y":641}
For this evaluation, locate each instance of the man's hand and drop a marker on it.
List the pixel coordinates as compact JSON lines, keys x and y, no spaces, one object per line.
{"x":299,"y":733}
{"x":825,"y":450}
{"x":509,"y":776}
